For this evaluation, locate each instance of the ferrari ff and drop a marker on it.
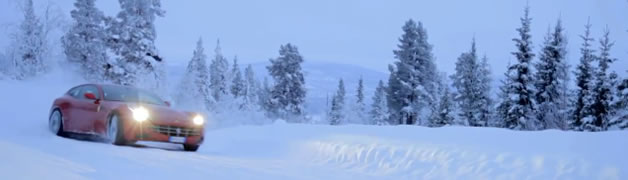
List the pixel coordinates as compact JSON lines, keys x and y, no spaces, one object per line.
{"x":124,"y":115}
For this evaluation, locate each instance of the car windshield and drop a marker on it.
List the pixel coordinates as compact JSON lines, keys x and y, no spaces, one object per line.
{"x":129,"y":94}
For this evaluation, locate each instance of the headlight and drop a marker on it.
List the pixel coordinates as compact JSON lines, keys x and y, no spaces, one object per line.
{"x":198,"y":120}
{"x":140,"y":114}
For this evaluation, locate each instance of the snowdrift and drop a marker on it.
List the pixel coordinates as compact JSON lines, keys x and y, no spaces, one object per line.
{"x":293,"y":151}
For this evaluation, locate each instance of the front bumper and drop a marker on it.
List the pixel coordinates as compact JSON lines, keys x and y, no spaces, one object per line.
{"x":162,"y":132}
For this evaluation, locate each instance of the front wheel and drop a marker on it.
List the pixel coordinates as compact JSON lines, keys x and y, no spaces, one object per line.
{"x":189,"y":147}
{"x":115,"y":132}
{"x":55,"y":123}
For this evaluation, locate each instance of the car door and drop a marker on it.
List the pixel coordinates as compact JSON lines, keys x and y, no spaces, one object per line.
{"x":70,"y":112}
{"x":86,"y":110}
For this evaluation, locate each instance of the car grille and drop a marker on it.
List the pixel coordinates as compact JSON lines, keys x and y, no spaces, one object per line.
{"x":177,"y":131}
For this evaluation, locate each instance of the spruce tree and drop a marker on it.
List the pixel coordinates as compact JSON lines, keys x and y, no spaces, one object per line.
{"x":359,"y":108}
{"x":584,"y":82}
{"x":467,"y":82}
{"x":237,"y":82}
{"x":287,"y":96}
{"x":412,"y":78}
{"x":29,"y":43}
{"x":620,"y":107}
{"x":195,"y":83}
{"x":486,"y":102}
{"x":84,"y":43}
{"x":521,"y":114}
{"x":551,"y":79}
{"x":602,"y":88}
{"x":251,"y":89}
{"x":218,"y":73}
{"x":131,"y":37}
{"x":379,"y":109}
{"x":504,"y":120}
{"x":445,"y":111}
{"x":337,"y":112}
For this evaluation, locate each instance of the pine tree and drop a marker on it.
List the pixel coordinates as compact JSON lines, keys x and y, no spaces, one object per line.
{"x":218,"y":73}
{"x":84,"y":43}
{"x":379,"y":109}
{"x":195,"y":84}
{"x":521,"y":87}
{"x":237,"y":82}
{"x":551,"y":80}
{"x":29,"y":43}
{"x":602,"y":88}
{"x":412,"y":78}
{"x":337,"y":112}
{"x":287,"y":96}
{"x":131,"y":37}
{"x":584,"y":79}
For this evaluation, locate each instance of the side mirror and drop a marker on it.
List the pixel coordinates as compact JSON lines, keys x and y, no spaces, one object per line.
{"x":167,"y":103}
{"x":90,"y":96}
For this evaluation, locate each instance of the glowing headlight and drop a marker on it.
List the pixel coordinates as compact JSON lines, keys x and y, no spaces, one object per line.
{"x":140,"y":114}
{"x":198,"y":120}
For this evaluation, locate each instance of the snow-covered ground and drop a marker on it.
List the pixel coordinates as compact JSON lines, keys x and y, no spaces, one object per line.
{"x":291,"y":151}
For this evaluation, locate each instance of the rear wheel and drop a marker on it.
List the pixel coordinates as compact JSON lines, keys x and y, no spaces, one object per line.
{"x":189,"y":147}
{"x":55,"y":122}
{"x":115,"y":132}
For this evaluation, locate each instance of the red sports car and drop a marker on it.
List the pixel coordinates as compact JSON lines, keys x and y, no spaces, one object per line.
{"x":124,"y":115}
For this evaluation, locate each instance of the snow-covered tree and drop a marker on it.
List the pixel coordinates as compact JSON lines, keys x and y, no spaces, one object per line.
{"x":251,"y":88}
{"x":359,"y":108}
{"x":218,"y":73}
{"x":287,"y":96}
{"x":194,"y":87}
{"x":337,"y":112}
{"x":602,"y":89}
{"x":131,"y":37}
{"x":411,"y":85}
{"x":445,"y":112}
{"x":237,"y":82}
{"x":85,"y":42}
{"x":620,"y":107}
{"x":29,"y":45}
{"x":521,"y":87}
{"x":486,"y":101}
{"x":584,"y":82}
{"x":379,"y":109}
{"x":472,"y":83}
{"x":551,"y":80}
{"x":263,"y":96}
{"x":505,"y":104}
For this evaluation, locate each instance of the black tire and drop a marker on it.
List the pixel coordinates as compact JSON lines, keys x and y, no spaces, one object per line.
{"x":118,"y":137}
{"x":59,"y":131}
{"x":189,"y":147}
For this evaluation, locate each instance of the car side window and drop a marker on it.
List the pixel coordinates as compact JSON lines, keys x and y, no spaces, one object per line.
{"x":89,"y":89}
{"x":74,"y":92}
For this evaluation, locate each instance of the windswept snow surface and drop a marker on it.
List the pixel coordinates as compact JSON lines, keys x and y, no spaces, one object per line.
{"x":28,"y":150}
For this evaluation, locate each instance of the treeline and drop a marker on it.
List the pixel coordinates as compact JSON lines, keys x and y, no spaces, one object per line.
{"x":534,"y":95}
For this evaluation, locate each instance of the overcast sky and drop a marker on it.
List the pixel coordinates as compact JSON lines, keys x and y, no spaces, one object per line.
{"x":364,"y":32}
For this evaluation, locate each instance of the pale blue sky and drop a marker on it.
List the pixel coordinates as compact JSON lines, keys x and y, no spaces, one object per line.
{"x":364,"y":32}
